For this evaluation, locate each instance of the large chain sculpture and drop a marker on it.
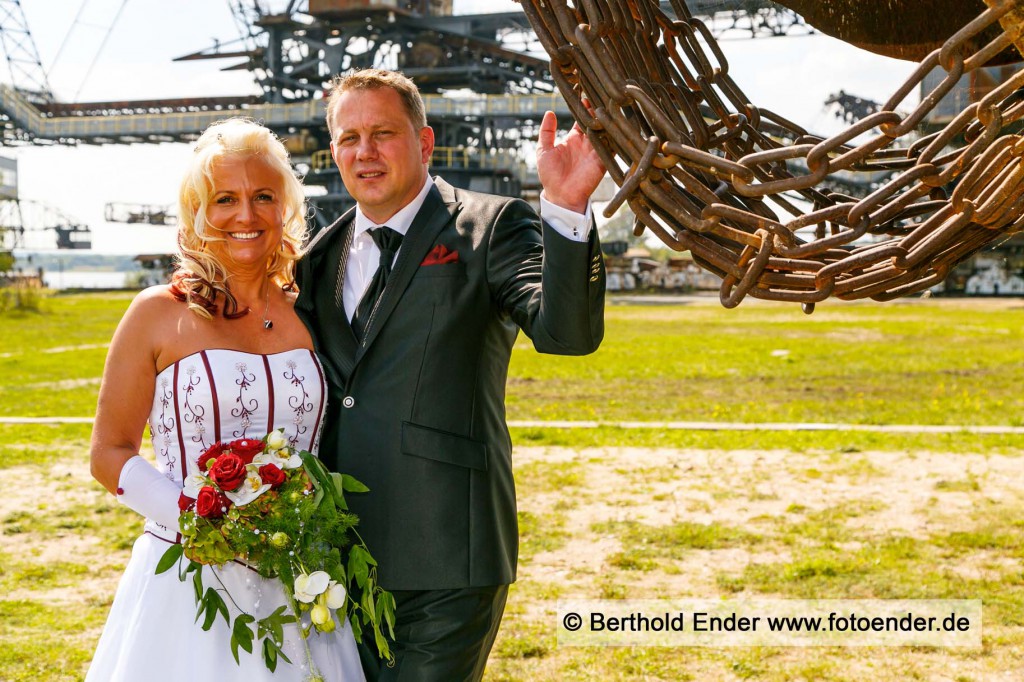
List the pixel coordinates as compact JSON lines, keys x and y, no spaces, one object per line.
{"x":697,"y":165}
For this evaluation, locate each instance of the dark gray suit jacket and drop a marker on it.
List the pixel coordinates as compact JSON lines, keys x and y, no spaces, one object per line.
{"x":417,"y":410}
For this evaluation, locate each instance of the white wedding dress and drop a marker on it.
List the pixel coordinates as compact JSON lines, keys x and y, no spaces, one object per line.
{"x":151,"y":633}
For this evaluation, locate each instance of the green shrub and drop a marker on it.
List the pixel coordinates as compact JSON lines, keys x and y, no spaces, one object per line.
{"x":19,"y":298}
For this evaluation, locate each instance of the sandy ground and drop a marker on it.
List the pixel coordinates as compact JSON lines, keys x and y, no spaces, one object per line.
{"x":58,"y":539}
{"x":664,"y":486}
{"x":876,"y":495}
{"x":915,"y":495}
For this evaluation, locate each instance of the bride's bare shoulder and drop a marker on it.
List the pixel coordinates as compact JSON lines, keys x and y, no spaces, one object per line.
{"x":148,"y":326}
{"x":158,"y":292}
{"x":154,"y":304}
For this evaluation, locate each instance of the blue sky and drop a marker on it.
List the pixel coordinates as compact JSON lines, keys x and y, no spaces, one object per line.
{"x":790,"y":75}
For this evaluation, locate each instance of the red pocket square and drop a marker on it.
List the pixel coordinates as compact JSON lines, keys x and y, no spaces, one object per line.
{"x":440,"y":255}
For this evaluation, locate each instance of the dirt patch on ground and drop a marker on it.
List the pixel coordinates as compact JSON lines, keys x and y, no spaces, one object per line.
{"x":53,"y":516}
{"x":913,"y":493}
{"x":587,"y":497}
{"x":870,"y":495}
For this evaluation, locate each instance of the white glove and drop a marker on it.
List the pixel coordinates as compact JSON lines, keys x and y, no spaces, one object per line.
{"x":145,"y":490}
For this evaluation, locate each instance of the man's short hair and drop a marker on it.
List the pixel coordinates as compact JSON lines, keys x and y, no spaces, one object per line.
{"x":374,"y":79}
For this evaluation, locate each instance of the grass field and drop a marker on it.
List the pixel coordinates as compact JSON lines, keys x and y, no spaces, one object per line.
{"x":611,"y":513}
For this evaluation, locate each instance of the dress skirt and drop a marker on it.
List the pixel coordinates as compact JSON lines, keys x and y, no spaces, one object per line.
{"x":151,"y":633}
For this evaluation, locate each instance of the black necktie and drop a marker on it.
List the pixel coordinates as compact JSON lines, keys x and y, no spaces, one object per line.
{"x":388,"y":241}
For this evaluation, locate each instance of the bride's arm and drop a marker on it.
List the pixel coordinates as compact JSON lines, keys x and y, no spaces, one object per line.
{"x":126,"y":392}
{"x":125,"y":400}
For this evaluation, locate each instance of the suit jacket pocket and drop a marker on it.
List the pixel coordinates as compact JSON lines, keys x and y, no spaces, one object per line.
{"x":442,"y":270}
{"x":439,"y":284}
{"x":442,"y":446}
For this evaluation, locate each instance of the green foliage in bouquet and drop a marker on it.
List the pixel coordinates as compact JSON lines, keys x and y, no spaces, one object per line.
{"x":284,"y":516}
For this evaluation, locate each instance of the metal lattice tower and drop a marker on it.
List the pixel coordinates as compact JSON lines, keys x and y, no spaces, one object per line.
{"x":744,"y":18}
{"x":27,"y":73}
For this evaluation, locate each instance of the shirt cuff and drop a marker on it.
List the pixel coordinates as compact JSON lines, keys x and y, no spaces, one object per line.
{"x":570,"y":224}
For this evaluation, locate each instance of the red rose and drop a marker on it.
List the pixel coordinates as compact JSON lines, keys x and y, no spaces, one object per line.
{"x":246,"y":448}
{"x":213,"y":452}
{"x":185,"y":502}
{"x":211,"y":504}
{"x":272,"y":474}
{"x":228,"y":471}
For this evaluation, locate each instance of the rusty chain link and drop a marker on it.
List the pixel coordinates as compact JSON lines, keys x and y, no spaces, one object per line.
{"x":706,"y":171}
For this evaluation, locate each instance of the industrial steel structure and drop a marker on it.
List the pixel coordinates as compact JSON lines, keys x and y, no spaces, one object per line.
{"x":485,"y":77}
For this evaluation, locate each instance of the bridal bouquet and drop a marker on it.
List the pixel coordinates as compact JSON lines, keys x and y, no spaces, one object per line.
{"x":281,"y":513}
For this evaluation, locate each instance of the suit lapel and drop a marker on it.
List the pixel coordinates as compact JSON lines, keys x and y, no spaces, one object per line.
{"x":438,"y":210}
{"x":323,"y":279}
{"x":310,"y":264}
{"x":344,"y":338}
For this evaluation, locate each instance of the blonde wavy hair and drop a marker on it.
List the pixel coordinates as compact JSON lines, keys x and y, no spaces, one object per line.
{"x":201,"y":279}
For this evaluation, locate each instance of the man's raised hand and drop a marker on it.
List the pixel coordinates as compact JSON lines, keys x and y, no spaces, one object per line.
{"x":569,"y":170}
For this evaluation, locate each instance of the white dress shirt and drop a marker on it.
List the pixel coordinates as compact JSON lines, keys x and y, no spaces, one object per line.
{"x":364,"y":256}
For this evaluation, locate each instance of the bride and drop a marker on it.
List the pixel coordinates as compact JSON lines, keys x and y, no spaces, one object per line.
{"x":218,"y":355}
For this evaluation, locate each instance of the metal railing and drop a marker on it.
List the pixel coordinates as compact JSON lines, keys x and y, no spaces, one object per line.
{"x":471,"y":157}
{"x":174,"y":124}
{"x":186,"y":124}
{"x":445,"y":157}
{"x":521,"y":106}
{"x":321,"y":160}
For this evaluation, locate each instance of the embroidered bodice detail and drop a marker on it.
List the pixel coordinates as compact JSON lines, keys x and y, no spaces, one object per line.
{"x":224,"y":395}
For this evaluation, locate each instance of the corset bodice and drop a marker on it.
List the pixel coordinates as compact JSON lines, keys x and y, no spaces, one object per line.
{"x":226,"y":395}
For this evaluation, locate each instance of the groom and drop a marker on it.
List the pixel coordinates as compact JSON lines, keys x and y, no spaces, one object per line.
{"x":415,"y":299}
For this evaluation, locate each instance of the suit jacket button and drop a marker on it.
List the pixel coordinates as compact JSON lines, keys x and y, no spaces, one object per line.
{"x":348,"y":401}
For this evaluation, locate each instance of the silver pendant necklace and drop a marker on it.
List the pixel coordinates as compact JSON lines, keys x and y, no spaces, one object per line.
{"x":268,"y":324}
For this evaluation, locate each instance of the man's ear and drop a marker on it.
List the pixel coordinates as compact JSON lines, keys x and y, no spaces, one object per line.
{"x":426,"y":143}
{"x":334,"y":155}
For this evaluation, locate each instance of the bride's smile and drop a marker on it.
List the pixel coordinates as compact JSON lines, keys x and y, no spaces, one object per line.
{"x":246,"y":212}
